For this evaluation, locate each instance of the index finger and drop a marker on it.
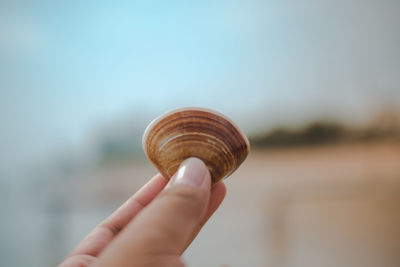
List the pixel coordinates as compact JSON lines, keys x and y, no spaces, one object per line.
{"x":99,"y":238}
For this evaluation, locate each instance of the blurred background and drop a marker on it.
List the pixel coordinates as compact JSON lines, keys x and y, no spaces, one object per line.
{"x":314,"y":84}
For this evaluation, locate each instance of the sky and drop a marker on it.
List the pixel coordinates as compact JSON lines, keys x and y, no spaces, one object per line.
{"x":69,"y":67}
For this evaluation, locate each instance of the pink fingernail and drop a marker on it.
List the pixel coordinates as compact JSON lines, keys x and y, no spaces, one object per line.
{"x":192,"y":172}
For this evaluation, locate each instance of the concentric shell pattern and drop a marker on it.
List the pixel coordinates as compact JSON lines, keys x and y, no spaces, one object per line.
{"x":195,"y":132}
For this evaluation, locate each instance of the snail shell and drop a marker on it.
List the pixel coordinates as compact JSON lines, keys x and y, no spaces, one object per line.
{"x":195,"y":132}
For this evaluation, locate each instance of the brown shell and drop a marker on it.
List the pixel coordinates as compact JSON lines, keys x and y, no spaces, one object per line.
{"x":195,"y":132}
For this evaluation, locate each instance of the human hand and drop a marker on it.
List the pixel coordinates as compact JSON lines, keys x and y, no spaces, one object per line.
{"x":155,"y":225}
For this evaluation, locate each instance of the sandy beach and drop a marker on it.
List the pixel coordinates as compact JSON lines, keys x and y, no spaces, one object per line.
{"x":319,"y":206}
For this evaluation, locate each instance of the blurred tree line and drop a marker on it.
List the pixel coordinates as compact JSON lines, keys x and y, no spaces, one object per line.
{"x":386,"y":126}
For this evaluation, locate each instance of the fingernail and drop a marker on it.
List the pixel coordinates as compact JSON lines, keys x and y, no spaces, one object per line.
{"x":192,"y":172}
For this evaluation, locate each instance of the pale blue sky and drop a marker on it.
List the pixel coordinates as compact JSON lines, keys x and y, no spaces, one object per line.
{"x":68,"y":66}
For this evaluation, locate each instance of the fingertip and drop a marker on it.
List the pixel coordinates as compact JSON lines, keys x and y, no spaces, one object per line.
{"x":220,"y":188}
{"x":151,"y":189}
{"x":218,"y":194}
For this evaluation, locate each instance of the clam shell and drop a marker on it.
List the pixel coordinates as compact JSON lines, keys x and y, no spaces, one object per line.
{"x":195,"y":132}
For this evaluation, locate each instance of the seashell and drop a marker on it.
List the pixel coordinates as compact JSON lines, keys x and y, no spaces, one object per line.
{"x":195,"y":132}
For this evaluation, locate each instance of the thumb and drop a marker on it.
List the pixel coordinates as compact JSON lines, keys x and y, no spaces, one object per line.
{"x":170,"y":222}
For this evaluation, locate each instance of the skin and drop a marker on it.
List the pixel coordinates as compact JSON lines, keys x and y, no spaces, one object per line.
{"x":154,"y":226}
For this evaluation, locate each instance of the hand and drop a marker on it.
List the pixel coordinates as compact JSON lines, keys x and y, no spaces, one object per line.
{"x":154,"y":226}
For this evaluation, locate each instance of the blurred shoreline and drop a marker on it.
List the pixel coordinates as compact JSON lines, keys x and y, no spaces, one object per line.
{"x":269,"y":186}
